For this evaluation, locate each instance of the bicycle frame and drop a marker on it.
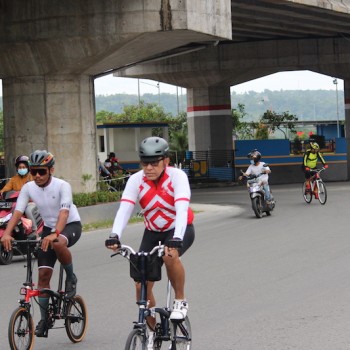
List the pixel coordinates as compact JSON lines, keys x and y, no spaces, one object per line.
{"x":317,"y":187}
{"x":164,"y":331}
{"x":58,"y":310}
{"x":71,"y":310}
{"x":315,"y":179}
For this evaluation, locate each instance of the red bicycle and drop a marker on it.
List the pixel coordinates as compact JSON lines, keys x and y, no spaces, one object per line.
{"x":72,"y":310}
{"x":316,"y":187}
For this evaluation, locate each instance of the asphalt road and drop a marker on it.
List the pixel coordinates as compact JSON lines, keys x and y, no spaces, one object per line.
{"x":276,"y":283}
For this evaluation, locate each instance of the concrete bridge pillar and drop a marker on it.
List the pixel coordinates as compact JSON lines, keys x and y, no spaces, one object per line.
{"x":54,"y":113}
{"x":347,"y":118}
{"x":209,"y":118}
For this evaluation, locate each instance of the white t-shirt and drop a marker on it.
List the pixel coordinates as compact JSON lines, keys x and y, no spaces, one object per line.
{"x":258,"y":169}
{"x":57,"y":195}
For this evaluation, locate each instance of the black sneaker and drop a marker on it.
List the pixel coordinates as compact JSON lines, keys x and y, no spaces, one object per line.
{"x":71,"y":286}
{"x":41,"y":329}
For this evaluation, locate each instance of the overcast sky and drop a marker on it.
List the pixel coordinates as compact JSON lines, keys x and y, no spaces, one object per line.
{"x":298,"y":80}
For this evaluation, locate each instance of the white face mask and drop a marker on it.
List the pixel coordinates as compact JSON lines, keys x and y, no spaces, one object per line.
{"x":22,"y":172}
{"x":251,"y":161}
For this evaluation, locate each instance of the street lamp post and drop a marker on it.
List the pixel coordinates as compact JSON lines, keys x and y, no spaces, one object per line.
{"x":155,"y":85}
{"x":335,"y":82}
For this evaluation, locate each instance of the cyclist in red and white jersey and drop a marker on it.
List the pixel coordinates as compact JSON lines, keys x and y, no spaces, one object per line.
{"x":163,"y":193}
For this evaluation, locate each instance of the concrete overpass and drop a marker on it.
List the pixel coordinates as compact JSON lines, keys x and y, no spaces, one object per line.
{"x":267,"y":37}
{"x":51,"y":54}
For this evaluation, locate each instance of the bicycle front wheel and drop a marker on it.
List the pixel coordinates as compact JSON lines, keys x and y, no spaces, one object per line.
{"x":307,"y":194}
{"x":21,"y":330}
{"x":322,"y":192}
{"x":136,"y":340}
{"x":76,"y":319}
{"x":182,"y":335}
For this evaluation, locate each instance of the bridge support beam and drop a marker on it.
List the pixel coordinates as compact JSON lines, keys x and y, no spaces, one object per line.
{"x":54,"y":113}
{"x":209,"y":118}
{"x":347,"y":119}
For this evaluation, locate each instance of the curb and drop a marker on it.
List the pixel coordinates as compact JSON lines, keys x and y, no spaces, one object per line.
{"x":101,"y":212}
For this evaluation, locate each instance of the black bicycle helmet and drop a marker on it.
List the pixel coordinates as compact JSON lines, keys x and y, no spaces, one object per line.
{"x":254,"y":155}
{"x":41,"y":158}
{"x":22,"y":159}
{"x":152,"y":148}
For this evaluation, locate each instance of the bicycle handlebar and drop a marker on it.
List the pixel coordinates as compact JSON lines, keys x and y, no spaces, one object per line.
{"x":317,"y":170}
{"x":36,"y":242}
{"x":28,"y":241}
{"x":126,"y":250}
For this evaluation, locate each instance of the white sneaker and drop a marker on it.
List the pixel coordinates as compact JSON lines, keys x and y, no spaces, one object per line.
{"x":150,"y":343}
{"x":180,"y":309}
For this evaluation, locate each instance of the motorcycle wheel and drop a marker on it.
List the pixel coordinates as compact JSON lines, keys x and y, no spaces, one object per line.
{"x":257,"y":207}
{"x":5,"y":257}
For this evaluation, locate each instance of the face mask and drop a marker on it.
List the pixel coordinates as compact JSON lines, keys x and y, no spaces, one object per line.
{"x":22,"y":172}
{"x":251,"y":161}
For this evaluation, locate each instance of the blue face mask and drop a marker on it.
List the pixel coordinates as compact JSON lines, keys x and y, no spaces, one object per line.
{"x":251,"y":161}
{"x":22,"y":172}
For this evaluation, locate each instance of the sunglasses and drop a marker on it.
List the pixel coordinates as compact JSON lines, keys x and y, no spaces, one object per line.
{"x":153,"y":163}
{"x":41,"y":172}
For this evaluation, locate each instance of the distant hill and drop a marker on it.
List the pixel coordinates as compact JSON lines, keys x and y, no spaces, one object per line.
{"x":305,"y":104}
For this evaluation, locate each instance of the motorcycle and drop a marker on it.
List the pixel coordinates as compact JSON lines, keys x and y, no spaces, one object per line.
{"x":22,"y":231}
{"x":257,"y":196}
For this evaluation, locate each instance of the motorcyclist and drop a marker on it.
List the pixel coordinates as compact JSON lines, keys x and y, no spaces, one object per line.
{"x":23,"y":176}
{"x":257,"y":168}
{"x":17,"y":182}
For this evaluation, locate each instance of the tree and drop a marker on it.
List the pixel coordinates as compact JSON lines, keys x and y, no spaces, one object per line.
{"x":151,"y":112}
{"x":243,"y":130}
{"x":262,"y":132}
{"x":278,"y":121}
{"x":106,"y":117}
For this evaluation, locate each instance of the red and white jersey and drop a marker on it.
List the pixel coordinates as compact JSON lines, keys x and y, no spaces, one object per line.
{"x":165,"y":205}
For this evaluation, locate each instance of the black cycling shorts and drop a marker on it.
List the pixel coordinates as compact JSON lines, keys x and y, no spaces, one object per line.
{"x":72,"y":232}
{"x":152,"y":238}
{"x":309,"y":173}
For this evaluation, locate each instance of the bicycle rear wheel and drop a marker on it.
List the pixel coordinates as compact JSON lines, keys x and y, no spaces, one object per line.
{"x":76,"y":319}
{"x":306,"y":193}
{"x":322,"y":192}
{"x":136,"y":340}
{"x":182,"y":335}
{"x":21,"y":330}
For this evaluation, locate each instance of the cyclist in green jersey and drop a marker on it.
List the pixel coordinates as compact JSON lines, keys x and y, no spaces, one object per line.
{"x":311,"y":157}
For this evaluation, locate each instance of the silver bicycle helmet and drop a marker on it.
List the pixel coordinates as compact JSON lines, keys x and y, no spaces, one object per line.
{"x":41,"y":158}
{"x":22,"y":159}
{"x":152,"y":148}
